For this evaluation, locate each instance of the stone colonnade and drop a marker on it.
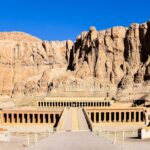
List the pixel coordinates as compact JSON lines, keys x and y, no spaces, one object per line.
{"x":107,"y":116}
{"x":74,"y":104}
{"x":28,"y":117}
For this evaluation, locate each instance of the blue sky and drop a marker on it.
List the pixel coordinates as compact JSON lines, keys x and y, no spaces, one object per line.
{"x":66,"y":19}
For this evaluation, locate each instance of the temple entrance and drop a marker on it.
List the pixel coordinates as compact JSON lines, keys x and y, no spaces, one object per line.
{"x":73,"y":104}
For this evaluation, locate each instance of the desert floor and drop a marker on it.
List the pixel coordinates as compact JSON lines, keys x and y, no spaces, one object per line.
{"x":84,"y":140}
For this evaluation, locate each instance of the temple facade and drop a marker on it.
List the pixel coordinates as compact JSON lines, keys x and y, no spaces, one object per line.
{"x":94,"y":110}
{"x":74,"y":102}
{"x":24,"y":117}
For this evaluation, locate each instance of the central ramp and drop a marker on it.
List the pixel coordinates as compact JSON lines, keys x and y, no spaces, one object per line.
{"x":73,"y":119}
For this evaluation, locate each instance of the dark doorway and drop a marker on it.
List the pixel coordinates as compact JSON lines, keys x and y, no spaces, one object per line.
{"x":92,"y":117}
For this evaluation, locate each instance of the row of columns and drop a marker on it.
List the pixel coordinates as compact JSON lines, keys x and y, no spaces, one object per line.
{"x":134,"y":116}
{"x":30,"y":118}
{"x":74,"y":104}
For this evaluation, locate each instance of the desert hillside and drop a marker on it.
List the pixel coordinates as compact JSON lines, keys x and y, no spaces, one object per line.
{"x":113,"y":62}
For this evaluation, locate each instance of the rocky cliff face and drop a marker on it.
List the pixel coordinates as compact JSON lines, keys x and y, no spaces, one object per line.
{"x":106,"y":62}
{"x":23,"y":60}
{"x":118,"y":57}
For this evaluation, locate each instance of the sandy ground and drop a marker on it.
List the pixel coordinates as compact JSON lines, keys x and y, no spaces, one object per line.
{"x":88,"y":141}
{"x":74,"y":141}
{"x":83,"y":140}
{"x":19,"y":141}
{"x":16,"y":143}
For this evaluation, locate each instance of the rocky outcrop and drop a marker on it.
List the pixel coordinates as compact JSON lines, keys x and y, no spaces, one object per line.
{"x":24,"y":58}
{"x":118,"y":57}
{"x":107,"y":62}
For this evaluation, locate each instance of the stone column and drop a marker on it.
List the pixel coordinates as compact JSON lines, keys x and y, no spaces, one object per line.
{"x":23,"y":119}
{"x":38,"y":118}
{"x":49,"y":121}
{"x":115,"y":117}
{"x":134,"y":117}
{"x":104,"y":116}
{"x":12,"y":115}
{"x":100,"y":117}
{"x":44,"y":118}
{"x":139,"y":116}
{"x":28,"y":118}
{"x":124,"y":117}
{"x":94,"y":117}
{"x":110,"y":116}
{"x":2,"y":117}
{"x":129,"y":117}
{"x":7,"y":118}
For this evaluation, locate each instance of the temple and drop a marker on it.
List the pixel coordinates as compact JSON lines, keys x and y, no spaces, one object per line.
{"x":90,"y":111}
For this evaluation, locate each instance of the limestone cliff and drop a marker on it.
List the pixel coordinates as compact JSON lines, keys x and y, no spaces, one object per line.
{"x":118,"y":57}
{"x":24,"y":58}
{"x":113,"y":62}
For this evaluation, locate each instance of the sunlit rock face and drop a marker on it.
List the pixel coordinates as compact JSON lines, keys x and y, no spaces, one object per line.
{"x":111,"y":62}
{"x":117,"y":58}
{"x":23,"y":61}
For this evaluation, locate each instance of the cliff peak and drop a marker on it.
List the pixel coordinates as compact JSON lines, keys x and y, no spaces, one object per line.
{"x":18,"y":36}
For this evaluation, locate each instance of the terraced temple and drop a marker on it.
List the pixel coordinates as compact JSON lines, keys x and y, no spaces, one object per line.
{"x":74,"y":114}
